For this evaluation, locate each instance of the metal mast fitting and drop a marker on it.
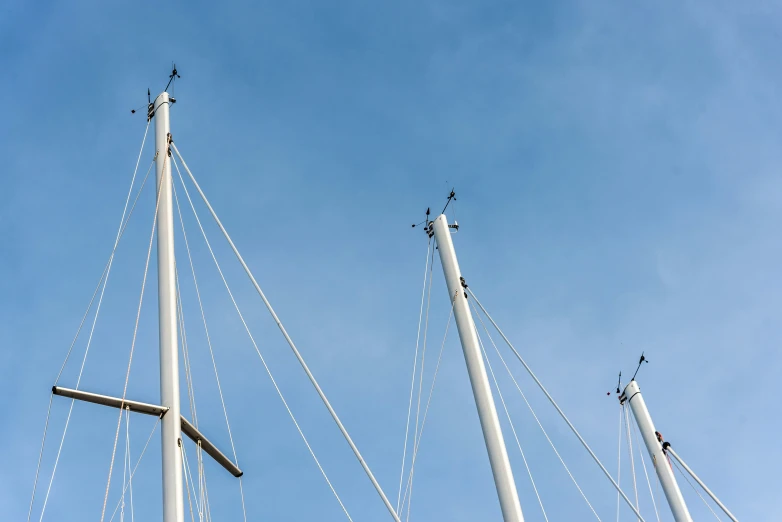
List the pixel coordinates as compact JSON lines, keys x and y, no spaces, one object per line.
{"x":171,"y":434}
{"x":487,"y":412}
{"x":632,"y":394}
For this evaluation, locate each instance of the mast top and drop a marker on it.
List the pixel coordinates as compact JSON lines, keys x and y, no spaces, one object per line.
{"x":161,"y":99}
{"x":427,"y":222}
{"x":152,"y":105}
{"x":172,"y":77}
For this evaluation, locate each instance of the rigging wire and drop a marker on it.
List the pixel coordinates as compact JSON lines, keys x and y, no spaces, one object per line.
{"x":45,"y":429}
{"x":632,"y":459}
{"x":671,"y":453}
{"x":208,"y":340}
{"x":646,"y":473}
{"x":290,"y":342}
{"x":417,"y":443}
{"x":190,"y":388}
{"x":412,"y":379}
{"x":421,"y":373}
{"x":127,"y":452}
{"x":189,"y":484}
{"x":534,"y":415}
{"x":206,"y":501}
{"x":135,"y":332}
{"x":104,"y":279}
{"x":185,"y":350}
{"x":143,"y":451}
{"x":619,"y":459}
{"x":124,"y":475}
{"x":202,"y":482}
{"x":257,"y":350}
{"x":123,"y":224}
{"x":556,"y":406}
{"x":683,"y":474}
{"x":206,"y":498}
{"x":200,"y":464}
{"x":208,"y":512}
{"x":188,"y":377}
{"x":125,"y":464}
{"x":510,"y":422}
{"x":201,"y":496}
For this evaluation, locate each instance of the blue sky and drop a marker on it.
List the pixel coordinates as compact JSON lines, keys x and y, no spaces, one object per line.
{"x":617,"y":173}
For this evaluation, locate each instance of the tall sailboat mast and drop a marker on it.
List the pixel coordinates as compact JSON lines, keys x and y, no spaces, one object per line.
{"x":632,"y":394}
{"x":171,"y":434}
{"x":173,"y":424}
{"x":487,"y":411}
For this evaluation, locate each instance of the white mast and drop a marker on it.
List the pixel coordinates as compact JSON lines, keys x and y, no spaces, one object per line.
{"x":173,"y":502}
{"x":492,"y":432}
{"x":632,"y":394}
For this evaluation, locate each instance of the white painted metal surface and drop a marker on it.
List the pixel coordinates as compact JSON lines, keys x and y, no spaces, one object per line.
{"x":173,"y":502}
{"x":673,"y":494}
{"x":700,"y":482}
{"x":487,"y":412}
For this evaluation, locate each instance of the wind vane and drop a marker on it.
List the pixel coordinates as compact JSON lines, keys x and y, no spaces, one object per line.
{"x":171,"y":78}
{"x":425,"y":222}
{"x":640,"y":362}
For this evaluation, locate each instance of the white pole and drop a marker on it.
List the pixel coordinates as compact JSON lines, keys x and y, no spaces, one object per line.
{"x":171,"y":437}
{"x":487,"y":412}
{"x":669,"y":449}
{"x":632,"y":394}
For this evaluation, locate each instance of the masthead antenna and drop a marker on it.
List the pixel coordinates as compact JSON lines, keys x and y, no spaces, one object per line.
{"x":451,"y":196}
{"x":640,"y":362}
{"x":425,"y":222}
{"x":149,"y":102}
{"x":618,"y":385}
{"x":171,"y":77}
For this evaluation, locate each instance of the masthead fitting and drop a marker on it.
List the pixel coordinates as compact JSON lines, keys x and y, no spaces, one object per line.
{"x":451,"y":197}
{"x":640,"y":362}
{"x":171,"y":77}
